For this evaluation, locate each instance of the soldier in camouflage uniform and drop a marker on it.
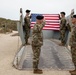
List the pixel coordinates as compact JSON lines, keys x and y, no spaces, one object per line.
{"x":62,"y":29}
{"x":27,"y":26}
{"x":37,"y":42}
{"x":69,"y":24}
{"x":73,"y":44}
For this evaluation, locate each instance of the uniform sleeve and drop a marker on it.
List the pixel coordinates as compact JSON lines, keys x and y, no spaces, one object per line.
{"x":37,"y":28}
{"x":25,"y":19}
{"x":63,"y":23}
{"x":69,"y":27}
{"x":73,"y":38}
{"x":41,"y":26}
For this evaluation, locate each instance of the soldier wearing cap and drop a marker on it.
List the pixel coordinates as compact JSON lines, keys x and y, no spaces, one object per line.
{"x":73,"y":44}
{"x":62,"y":29}
{"x":37,"y":42}
{"x":27,"y":26}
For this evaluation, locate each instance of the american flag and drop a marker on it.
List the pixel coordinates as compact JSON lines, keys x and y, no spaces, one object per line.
{"x":52,"y":21}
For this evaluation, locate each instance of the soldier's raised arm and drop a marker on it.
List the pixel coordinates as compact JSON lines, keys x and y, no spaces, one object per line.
{"x":40,"y":23}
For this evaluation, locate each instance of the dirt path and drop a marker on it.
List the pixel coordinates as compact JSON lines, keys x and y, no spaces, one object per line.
{"x":8,"y":49}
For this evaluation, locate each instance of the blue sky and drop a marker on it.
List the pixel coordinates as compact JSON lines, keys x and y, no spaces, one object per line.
{"x":10,"y":8}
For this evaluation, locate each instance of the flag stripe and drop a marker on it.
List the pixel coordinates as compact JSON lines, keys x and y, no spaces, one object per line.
{"x":47,"y":23}
{"x":49,"y":26}
{"x":51,"y":15}
{"x":52,"y":21}
{"x":45,"y":28}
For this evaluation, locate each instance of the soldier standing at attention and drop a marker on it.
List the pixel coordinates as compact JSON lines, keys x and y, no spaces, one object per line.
{"x":37,"y":42}
{"x":27,"y":26}
{"x":73,"y":43}
{"x":69,"y":22}
{"x":62,"y":29}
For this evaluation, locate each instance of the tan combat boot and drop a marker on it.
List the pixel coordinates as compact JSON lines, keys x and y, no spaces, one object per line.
{"x":37,"y":71}
{"x":61,"y":44}
{"x":73,"y":72}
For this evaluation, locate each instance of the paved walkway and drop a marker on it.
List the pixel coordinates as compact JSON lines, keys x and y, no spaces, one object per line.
{"x":8,"y":49}
{"x":53,"y":57}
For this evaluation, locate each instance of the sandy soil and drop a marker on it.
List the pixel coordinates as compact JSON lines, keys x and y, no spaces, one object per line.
{"x":8,"y":48}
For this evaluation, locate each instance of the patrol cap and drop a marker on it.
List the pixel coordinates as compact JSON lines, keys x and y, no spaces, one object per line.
{"x":74,"y":16}
{"x":39,"y":17}
{"x":62,"y":13}
{"x":27,"y":11}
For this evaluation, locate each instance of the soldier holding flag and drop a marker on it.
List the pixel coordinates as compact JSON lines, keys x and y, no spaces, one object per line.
{"x":27,"y":26}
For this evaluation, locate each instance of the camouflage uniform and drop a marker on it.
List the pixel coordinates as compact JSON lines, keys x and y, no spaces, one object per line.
{"x":73,"y":44}
{"x":69,"y":26}
{"x":62,"y":30}
{"x":37,"y":42}
{"x":27,"y":27}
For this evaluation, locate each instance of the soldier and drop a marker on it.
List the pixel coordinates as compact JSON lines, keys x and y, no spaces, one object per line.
{"x":68,"y":18}
{"x":27,"y":26}
{"x":62,"y":29}
{"x":73,"y":44}
{"x":69,"y":22}
{"x":37,"y":42}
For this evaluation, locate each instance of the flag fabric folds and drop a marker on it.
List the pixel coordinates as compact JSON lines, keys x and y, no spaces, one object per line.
{"x":52,"y":21}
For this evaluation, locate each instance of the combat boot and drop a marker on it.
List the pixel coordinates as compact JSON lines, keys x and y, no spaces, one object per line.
{"x":61,"y":44}
{"x":27,"y":43}
{"x":73,"y":72}
{"x":37,"y":71}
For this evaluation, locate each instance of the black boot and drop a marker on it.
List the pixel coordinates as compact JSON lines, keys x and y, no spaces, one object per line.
{"x":37,"y":71}
{"x":27,"y":42}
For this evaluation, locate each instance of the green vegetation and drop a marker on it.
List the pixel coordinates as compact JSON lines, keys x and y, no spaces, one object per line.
{"x":7,"y":25}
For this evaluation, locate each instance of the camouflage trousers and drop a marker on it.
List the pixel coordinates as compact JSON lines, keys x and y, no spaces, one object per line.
{"x":62,"y":36}
{"x":36,"y":55}
{"x":73,"y":51}
{"x":27,"y":35}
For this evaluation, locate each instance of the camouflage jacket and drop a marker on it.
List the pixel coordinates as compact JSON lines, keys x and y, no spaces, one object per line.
{"x":63,"y":24}
{"x":73,"y":37}
{"x":27,"y":22}
{"x":37,"y":35}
